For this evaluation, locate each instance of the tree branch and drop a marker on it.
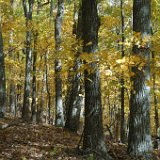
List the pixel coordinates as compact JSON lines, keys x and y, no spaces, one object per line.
{"x":46,"y":3}
{"x":5,"y":126}
{"x":25,"y":8}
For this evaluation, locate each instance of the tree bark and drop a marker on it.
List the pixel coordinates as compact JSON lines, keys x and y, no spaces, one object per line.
{"x":34,"y":81}
{"x":19,"y":99}
{"x":122,"y":131}
{"x":59,"y":117}
{"x":12,"y":96}
{"x":75,"y":17}
{"x":2,"y":77}
{"x":93,"y":130}
{"x":155,"y":102}
{"x":156,"y":118}
{"x":40,"y":109}
{"x":51,"y":8}
{"x":139,"y":140}
{"x":28,"y":52}
{"x":75,"y":100}
{"x":47,"y":87}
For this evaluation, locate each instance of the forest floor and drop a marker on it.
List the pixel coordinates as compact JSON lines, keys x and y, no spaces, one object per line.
{"x":22,"y":141}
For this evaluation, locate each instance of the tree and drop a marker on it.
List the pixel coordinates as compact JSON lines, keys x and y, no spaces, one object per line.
{"x":59,"y":119}
{"x":74,"y":97}
{"x":47,"y":86}
{"x":122,"y":132}
{"x":155,"y":97}
{"x":28,"y":8}
{"x":139,"y":140}
{"x":35,"y":115}
{"x":93,"y":131}
{"x":2,"y":77}
{"x":34,"y":81}
{"x":12,"y":96}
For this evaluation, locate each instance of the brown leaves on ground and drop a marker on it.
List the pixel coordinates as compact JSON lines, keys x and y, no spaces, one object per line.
{"x":37,"y":142}
{"x":22,"y":141}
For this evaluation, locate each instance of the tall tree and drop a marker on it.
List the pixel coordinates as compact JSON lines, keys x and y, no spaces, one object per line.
{"x":93,"y":140}
{"x":47,"y":86}
{"x":28,"y":9}
{"x":122,"y":133}
{"x":75,"y":99}
{"x":155,"y":98}
{"x":59,"y":119}
{"x":12,"y":87}
{"x":34,"y":80}
{"x":139,"y":140}
{"x":2,"y":77}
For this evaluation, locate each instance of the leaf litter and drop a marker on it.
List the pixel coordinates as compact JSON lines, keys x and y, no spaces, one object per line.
{"x":26,"y":141}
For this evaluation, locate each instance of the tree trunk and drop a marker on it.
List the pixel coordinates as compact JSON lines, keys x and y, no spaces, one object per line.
{"x":28,"y":52}
{"x":155,"y":101}
{"x":79,"y":24}
{"x":47,"y":86}
{"x":51,"y":8}
{"x":59,"y":117}
{"x":12,"y":98}
{"x":156,"y":118}
{"x":40,"y":109}
{"x":75,"y":17}
{"x":75,"y":100}
{"x":34,"y":81}
{"x":2,"y":77}
{"x":139,"y":140}
{"x":18,"y":100}
{"x":93,"y":130}
{"x":122,"y":131}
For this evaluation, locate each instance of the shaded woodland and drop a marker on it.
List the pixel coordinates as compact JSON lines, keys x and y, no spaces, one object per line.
{"x":79,"y":79}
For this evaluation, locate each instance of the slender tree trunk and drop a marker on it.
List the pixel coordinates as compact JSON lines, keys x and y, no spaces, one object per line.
{"x":34,"y":81}
{"x":2,"y":77}
{"x":139,"y":140}
{"x":122,"y":132}
{"x":93,"y":130}
{"x":28,"y":14}
{"x":47,"y":87}
{"x":59,"y":117}
{"x":156,"y":118}
{"x":75,"y":17}
{"x":42,"y":102}
{"x":51,"y":8}
{"x":79,"y":24}
{"x":12,"y":96}
{"x":19,"y":99}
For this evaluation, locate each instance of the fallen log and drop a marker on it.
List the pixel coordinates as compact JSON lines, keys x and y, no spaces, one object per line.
{"x":5,"y":126}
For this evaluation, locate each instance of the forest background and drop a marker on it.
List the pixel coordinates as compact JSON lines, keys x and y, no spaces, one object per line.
{"x":43,"y":63}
